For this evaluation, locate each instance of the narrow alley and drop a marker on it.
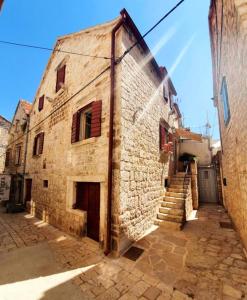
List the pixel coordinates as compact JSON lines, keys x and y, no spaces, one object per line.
{"x":204,"y":261}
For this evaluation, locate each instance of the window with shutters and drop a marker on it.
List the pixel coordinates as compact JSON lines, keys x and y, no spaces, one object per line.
{"x":8,"y":158}
{"x":86,"y":122}
{"x":225,"y":101}
{"x":18,"y":155}
{"x":41,"y":102}
{"x":60,"y":77}
{"x":38,"y":144}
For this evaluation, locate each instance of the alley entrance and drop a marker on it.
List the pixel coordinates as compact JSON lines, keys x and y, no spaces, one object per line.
{"x":88,"y":199}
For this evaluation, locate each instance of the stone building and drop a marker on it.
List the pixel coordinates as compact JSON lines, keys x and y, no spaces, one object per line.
{"x":98,"y":127}
{"x":16,"y":150}
{"x":4,"y":134}
{"x":227,"y":21}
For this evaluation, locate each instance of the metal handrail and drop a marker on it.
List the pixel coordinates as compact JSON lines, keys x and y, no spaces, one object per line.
{"x":185,"y":194}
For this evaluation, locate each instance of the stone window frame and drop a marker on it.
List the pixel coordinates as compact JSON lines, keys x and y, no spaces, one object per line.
{"x":17,"y":158}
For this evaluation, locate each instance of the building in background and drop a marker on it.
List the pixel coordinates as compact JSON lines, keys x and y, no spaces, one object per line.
{"x":4,"y":179}
{"x":1,"y":4}
{"x":97,"y":165}
{"x":16,"y":151}
{"x":4,"y":135}
{"x":228,"y":30}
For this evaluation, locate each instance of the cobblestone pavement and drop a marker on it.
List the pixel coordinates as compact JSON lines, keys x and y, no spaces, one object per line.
{"x":204,"y":261}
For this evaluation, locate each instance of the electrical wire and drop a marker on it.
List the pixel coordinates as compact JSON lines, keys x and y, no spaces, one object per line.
{"x":51,"y":49}
{"x":100,"y":74}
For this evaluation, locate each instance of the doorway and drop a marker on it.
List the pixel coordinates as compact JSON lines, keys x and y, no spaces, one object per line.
{"x":207,"y":185}
{"x":28,"y":189}
{"x":88,"y":199}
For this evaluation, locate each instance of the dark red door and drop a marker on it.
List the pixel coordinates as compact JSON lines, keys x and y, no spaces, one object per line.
{"x":28,"y":190}
{"x":88,"y":199}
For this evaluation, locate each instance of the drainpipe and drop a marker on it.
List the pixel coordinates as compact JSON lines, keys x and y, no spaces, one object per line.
{"x":111,"y":137}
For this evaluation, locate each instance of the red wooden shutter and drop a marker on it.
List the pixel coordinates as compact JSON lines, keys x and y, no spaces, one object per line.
{"x":162,"y":137}
{"x":96,"y":118}
{"x":75,"y":130}
{"x":41,"y":102}
{"x":41,"y":142}
{"x":60,"y":77}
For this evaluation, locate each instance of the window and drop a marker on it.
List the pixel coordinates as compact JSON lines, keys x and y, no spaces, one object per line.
{"x":171,"y":100}
{"x":86,"y":122}
{"x":45,"y":184}
{"x":60,"y":77}
{"x":165,"y":137}
{"x":8,"y":158}
{"x":18,"y":155}
{"x":165,"y":93}
{"x":38,"y":144}
{"x":225,"y":102}
{"x":41,"y":103}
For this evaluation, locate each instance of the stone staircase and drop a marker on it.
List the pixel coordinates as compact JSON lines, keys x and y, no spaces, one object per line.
{"x":171,"y":213}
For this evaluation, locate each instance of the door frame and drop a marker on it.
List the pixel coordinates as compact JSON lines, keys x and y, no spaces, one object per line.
{"x":203,"y":168}
{"x":71,"y":198}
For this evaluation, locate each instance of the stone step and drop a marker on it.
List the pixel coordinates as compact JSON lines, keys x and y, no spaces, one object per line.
{"x":174,"y":199}
{"x":177,"y":190}
{"x":171,"y":211}
{"x":171,"y":218}
{"x":168,"y":225}
{"x":179,"y":186}
{"x":176,"y":195}
{"x":169,"y":204}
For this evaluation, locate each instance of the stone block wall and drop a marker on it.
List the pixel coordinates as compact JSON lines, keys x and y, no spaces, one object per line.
{"x":142,"y":171}
{"x":63,"y":163}
{"x":229,"y":49}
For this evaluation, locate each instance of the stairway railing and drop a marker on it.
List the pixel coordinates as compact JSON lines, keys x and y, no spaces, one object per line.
{"x":186,"y":176}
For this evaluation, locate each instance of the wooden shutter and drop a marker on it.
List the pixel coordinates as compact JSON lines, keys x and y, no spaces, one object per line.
{"x":75,"y":129}
{"x":41,"y":142}
{"x":41,"y":102}
{"x":7,"y":160}
{"x":35,"y":145}
{"x":162,"y":137}
{"x":60,"y":77}
{"x":96,"y":118}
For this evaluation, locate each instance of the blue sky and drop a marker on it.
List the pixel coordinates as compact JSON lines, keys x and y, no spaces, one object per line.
{"x":39,"y":22}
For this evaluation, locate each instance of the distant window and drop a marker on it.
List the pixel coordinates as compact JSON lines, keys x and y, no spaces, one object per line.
{"x":165,"y":93}
{"x":18,"y":155}
{"x":41,"y":103}
{"x":60,"y":77}
{"x":225,"y":102}
{"x":38,"y":144}
{"x":45,"y":184}
{"x":8,"y":158}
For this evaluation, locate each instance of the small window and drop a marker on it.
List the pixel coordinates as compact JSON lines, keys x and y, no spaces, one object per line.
{"x":166,"y":182}
{"x":38,"y":144}
{"x":224,"y":182}
{"x":60,"y":77}
{"x":171,"y":101}
{"x":85,"y":124}
{"x":8,"y":158}
{"x":18,"y":155}
{"x":165,"y":93}
{"x":45,"y":183}
{"x":41,"y":102}
{"x":225,"y":102}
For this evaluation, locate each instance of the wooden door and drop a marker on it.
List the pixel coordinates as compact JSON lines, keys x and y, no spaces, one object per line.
{"x":88,"y":199}
{"x":28,"y":195}
{"x":207,"y":185}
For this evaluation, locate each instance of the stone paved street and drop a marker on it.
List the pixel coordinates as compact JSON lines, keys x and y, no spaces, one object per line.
{"x":204,"y":261}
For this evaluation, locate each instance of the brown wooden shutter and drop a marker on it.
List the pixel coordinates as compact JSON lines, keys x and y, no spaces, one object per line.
{"x":7,"y":160}
{"x":41,"y":102}
{"x":34,"y":145}
{"x":75,"y":129}
{"x":96,"y":118}
{"x":60,"y":77}
{"x":41,"y":142}
{"x":162,"y":137}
